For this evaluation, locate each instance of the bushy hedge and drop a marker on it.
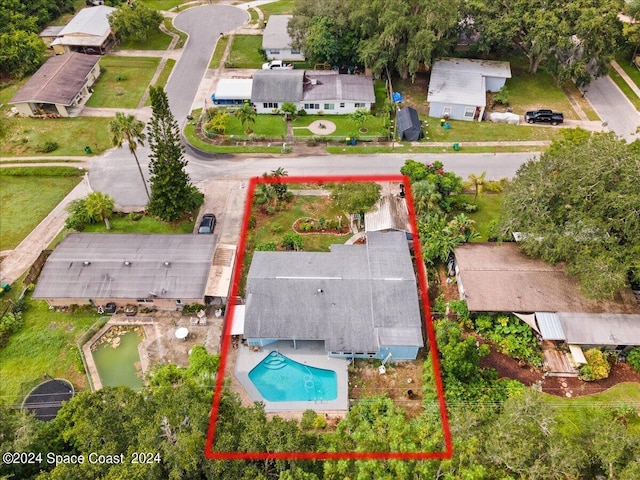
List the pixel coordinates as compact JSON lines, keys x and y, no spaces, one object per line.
{"x":633,"y":359}
{"x":512,"y":336}
{"x":597,"y":367}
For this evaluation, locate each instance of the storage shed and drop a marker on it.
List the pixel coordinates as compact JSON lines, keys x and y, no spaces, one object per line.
{"x":408,"y":124}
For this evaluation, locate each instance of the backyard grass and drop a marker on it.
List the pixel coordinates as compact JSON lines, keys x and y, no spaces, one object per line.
{"x":531,"y":92}
{"x":380,"y":91}
{"x":45,"y":345}
{"x":146,"y":224}
{"x":221,"y":46}
{"x":489,"y":208}
{"x":36,"y":194}
{"x":158,"y":40}
{"x":27,"y":136}
{"x":345,"y":127}
{"x":123,"y":81}
{"x":626,"y":89}
{"x":168,"y":24}
{"x":283,"y":7}
{"x":245,"y":52}
{"x":463,"y":131}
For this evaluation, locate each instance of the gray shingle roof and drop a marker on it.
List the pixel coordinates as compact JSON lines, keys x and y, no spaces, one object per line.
{"x":354,"y":297}
{"x":277,"y":86}
{"x":500,"y":278}
{"x":65,"y":274}
{"x":332,"y":86}
{"x":275,"y":34}
{"x":58,"y":81}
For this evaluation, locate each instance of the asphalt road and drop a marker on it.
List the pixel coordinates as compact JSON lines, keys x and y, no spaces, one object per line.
{"x":614,"y":108}
{"x":204,"y":24}
{"x":116,"y":173}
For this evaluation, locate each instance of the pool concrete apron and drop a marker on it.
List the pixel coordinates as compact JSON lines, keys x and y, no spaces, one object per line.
{"x":307,"y":354}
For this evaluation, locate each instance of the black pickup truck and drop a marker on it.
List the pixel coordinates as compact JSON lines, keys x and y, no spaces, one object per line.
{"x":544,"y":116}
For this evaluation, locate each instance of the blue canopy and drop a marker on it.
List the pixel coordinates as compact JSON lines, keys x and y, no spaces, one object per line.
{"x":397,"y":97}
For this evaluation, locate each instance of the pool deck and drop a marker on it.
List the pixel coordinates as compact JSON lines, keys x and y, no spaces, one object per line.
{"x":312,"y":354}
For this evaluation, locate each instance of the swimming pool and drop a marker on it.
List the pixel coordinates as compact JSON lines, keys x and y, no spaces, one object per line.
{"x":280,"y":379}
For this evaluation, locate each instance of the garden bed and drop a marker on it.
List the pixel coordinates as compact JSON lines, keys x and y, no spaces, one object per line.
{"x":306,"y":226}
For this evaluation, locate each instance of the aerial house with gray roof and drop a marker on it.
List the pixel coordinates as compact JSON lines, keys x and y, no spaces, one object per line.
{"x":276,"y":41}
{"x":150,"y":270}
{"x":88,"y":32}
{"x":315,"y":91}
{"x":360,"y":300}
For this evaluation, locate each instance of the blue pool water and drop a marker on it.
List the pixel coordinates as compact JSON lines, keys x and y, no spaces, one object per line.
{"x":280,"y":379}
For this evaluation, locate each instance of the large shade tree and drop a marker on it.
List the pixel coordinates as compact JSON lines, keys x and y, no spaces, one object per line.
{"x":126,"y":128}
{"x":580,"y":203}
{"x":172,"y":193}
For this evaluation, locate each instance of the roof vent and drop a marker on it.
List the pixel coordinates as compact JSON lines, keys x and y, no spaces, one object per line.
{"x":314,"y":81}
{"x":167,"y":264}
{"x":86,"y":264}
{"x":127,"y":264}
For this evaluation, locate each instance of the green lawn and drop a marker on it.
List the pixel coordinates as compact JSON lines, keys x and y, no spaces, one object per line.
{"x":531,"y":92}
{"x":269,"y":126}
{"x":624,"y":60}
{"x":245,"y":52}
{"x":123,"y":81}
{"x":163,"y":4}
{"x":404,"y":148}
{"x":46,"y":344}
{"x":157,"y":41}
{"x":26,"y":136}
{"x":36,"y":194}
{"x":463,"y":131}
{"x":283,"y":7}
{"x":626,"y":89}
{"x":168,"y":23}
{"x":380,"y":91}
{"x":254,"y":15}
{"x":489,"y":208}
{"x":146,"y":224}
{"x":221,"y":46}
{"x":345,"y":127}
{"x":164,"y":74}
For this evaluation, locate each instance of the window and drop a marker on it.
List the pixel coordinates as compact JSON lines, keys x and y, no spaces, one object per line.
{"x":295,"y":51}
{"x":270,"y":105}
{"x":341,"y":104}
{"x":144,"y":300}
{"x":446,"y":112}
{"x":274,"y":52}
{"x":329,"y":106}
{"x":360,"y":105}
{"x":469,"y":112}
{"x":312,"y":106}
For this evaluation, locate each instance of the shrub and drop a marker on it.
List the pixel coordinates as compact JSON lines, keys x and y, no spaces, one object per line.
{"x":308,"y":416}
{"x":291,"y":241}
{"x":193,"y":308}
{"x":276,"y":228}
{"x":135,"y":216}
{"x":48,"y":146}
{"x":10,"y":323}
{"x":597,"y":367}
{"x":633,"y":359}
{"x":266,"y":247}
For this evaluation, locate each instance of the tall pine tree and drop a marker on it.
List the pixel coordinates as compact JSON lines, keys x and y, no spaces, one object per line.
{"x":172,"y":193}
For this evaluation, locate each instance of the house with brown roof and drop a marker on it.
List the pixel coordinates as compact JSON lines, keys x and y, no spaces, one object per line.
{"x":58,"y":87}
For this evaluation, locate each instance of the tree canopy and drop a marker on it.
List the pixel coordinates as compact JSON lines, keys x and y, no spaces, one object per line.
{"x":580,"y":203}
{"x":355,"y":197}
{"x":574,"y":39}
{"x":135,"y":21}
{"x":172,"y":193}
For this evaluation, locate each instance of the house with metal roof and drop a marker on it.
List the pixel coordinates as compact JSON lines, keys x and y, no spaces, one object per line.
{"x":276,"y":41}
{"x":232,"y":91}
{"x":458,"y":86}
{"x":389,"y":214}
{"x":360,"y":300}
{"x":59,"y":86}
{"x":88,"y":32}
{"x":315,"y":91}
{"x":149,"y":270}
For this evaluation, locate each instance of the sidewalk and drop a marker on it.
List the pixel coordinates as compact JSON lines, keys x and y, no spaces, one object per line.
{"x":626,"y":77}
{"x":22,"y":257}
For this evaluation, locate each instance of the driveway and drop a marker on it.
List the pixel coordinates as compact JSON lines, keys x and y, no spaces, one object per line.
{"x":614,"y":108}
{"x":204,"y":24}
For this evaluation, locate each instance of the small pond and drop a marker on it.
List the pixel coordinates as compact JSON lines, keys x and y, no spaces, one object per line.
{"x":116,"y":357}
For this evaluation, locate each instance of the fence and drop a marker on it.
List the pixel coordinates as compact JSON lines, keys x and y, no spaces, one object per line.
{"x":86,"y":336}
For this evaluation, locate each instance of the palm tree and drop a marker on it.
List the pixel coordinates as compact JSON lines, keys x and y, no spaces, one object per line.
{"x":426,"y":197}
{"x":126,"y":128}
{"x":247,"y":116}
{"x":477,"y":182}
{"x":99,"y":207}
{"x":360,"y":117}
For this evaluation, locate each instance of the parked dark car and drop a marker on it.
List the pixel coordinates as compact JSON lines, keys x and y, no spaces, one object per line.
{"x":544,"y":116}
{"x":208,"y":223}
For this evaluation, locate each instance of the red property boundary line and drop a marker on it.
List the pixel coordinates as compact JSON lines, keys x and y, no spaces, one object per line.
{"x":422,"y":280}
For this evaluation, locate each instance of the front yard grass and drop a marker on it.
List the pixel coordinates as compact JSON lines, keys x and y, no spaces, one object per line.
{"x":345,"y":127}
{"x":127,"y":223}
{"x":463,"y":131}
{"x":123,"y":81}
{"x":270,"y":126}
{"x":168,"y":24}
{"x":283,"y":7}
{"x":532,"y":92}
{"x":46,"y":344}
{"x":489,"y":208}
{"x":163,"y":4}
{"x":27,"y":136}
{"x":624,"y":60}
{"x":221,"y":46}
{"x":37,"y":194}
{"x":245,"y":52}
{"x":625,"y":88}
{"x":157,"y":41}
